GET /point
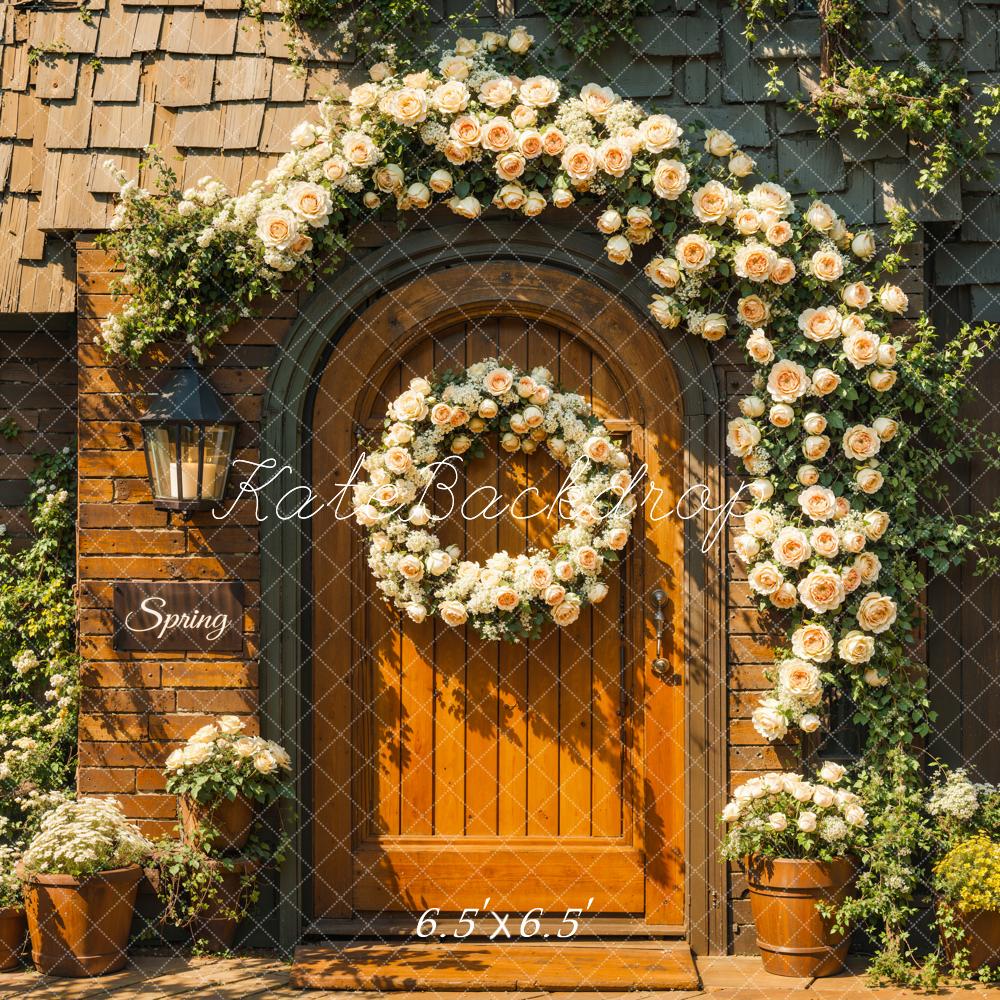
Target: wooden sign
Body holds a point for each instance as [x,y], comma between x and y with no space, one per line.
[197,617]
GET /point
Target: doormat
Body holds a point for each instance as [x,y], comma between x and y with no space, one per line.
[605,965]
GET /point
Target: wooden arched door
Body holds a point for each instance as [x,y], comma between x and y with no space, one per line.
[448,770]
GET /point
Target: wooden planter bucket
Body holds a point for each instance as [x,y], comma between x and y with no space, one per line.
[80,927]
[981,940]
[231,819]
[213,929]
[13,931]
[793,938]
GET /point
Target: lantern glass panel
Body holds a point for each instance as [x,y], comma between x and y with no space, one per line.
[218,448]
[161,449]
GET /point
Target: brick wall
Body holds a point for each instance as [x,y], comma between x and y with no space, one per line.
[37,399]
[136,707]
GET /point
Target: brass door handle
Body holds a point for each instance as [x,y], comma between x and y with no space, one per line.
[660,666]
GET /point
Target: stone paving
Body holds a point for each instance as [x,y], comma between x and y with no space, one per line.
[263,977]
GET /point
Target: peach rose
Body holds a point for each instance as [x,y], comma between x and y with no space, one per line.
[759,347]
[876,524]
[539,91]
[753,310]
[861,443]
[554,594]
[580,161]
[856,295]
[869,480]
[893,299]
[597,449]
[664,272]
[781,415]
[827,265]
[530,144]
[755,261]
[785,596]
[876,612]
[659,133]
[743,437]
[664,310]
[410,567]
[597,100]
[498,135]
[820,324]
[712,203]
[815,447]
[787,381]
[765,578]
[498,382]
[509,167]
[466,130]
[800,679]
[694,252]
[861,349]
[869,566]
[784,271]
[746,221]
[817,503]
[507,599]
[453,613]
[614,157]
[814,423]
[451,97]
[397,460]
[825,381]
[822,590]
[791,547]
[567,611]
[553,141]
[670,179]
[825,541]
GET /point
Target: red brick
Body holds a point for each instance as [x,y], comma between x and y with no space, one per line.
[93,780]
[112,515]
[125,673]
[132,541]
[181,727]
[127,700]
[149,779]
[113,727]
[219,701]
[209,674]
[138,754]
[150,805]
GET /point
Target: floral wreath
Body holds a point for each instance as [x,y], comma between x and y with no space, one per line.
[509,596]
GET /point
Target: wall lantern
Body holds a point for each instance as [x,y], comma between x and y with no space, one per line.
[189,443]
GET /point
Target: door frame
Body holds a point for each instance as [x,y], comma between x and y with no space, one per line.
[285,564]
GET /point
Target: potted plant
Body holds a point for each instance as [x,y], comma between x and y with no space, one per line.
[795,839]
[81,872]
[13,926]
[222,776]
[225,778]
[967,884]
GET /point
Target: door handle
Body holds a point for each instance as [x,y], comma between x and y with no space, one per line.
[660,666]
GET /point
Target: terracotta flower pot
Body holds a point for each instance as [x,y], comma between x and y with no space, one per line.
[231,819]
[794,939]
[981,940]
[80,926]
[213,927]
[13,931]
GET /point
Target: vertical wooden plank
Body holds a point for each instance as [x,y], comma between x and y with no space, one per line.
[449,655]
[663,730]
[417,683]
[333,591]
[482,658]
[608,630]
[515,662]
[575,680]
[384,638]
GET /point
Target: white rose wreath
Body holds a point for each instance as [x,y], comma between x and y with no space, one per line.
[509,596]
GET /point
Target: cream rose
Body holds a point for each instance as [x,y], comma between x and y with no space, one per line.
[822,590]
[743,437]
[827,265]
[664,272]
[791,547]
[800,679]
[769,720]
[755,261]
[597,100]
[741,165]
[498,135]
[861,443]
[453,613]
[876,612]
[450,98]
[567,611]
[670,179]
[765,578]
[759,347]
[408,106]
[539,91]
[781,415]
[825,381]
[820,216]
[856,295]
[812,642]
[659,133]
[277,228]
[818,503]
[815,447]
[787,381]
[719,143]
[694,252]
[580,162]
[825,541]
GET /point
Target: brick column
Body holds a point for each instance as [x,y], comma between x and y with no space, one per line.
[136,707]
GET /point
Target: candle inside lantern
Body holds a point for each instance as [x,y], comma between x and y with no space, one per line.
[189,480]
